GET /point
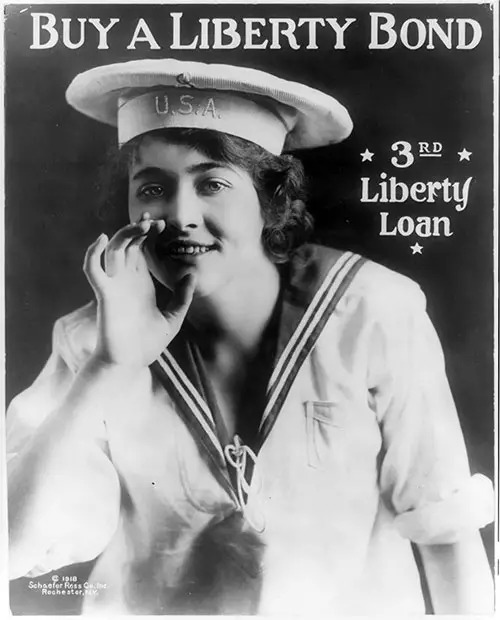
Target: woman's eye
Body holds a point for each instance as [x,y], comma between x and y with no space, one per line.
[213,186]
[151,190]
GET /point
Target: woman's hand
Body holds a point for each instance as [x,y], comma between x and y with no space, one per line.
[132,331]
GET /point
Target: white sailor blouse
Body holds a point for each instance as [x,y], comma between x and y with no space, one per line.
[359,453]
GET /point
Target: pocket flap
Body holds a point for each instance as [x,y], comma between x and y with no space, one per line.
[325,411]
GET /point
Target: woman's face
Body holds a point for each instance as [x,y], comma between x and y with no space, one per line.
[211,210]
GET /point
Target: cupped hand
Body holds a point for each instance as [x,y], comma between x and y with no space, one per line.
[132,331]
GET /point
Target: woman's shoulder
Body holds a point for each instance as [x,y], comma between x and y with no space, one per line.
[75,334]
[383,284]
[368,281]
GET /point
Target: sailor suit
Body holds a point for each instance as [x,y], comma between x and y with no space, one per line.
[359,452]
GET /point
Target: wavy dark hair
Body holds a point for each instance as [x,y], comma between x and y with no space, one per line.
[278,180]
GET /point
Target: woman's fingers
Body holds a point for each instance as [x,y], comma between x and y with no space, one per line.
[150,229]
[92,263]
[115,257]
[134,250]
[135,258]
[123,247]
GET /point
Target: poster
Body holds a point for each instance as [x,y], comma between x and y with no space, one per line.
[413,186]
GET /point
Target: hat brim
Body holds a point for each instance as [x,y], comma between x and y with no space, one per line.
[320,119]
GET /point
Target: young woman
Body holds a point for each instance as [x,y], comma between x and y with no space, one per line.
[270,428]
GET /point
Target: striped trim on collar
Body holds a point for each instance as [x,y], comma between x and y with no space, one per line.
[195,413]
[306,334]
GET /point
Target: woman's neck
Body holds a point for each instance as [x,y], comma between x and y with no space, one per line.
[236,315]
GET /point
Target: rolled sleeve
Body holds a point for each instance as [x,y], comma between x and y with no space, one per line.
[424,473]
[441,522]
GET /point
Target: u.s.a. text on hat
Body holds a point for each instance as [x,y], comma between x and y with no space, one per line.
[224,33]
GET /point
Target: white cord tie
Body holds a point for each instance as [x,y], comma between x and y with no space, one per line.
[236,455]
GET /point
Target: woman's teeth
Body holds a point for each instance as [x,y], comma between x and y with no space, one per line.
[190,250]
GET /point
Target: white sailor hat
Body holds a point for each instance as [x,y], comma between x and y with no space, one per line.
[142,95]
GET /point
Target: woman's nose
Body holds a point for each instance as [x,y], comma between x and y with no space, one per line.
[184,210]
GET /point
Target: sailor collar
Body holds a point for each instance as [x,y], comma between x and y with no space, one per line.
[313,283]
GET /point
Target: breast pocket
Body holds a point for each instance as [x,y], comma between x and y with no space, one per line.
[326,433]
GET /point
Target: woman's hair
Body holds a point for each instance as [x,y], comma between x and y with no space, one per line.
[278,180]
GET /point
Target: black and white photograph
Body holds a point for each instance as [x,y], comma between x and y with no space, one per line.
[250,308]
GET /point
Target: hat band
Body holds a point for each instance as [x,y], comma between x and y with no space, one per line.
[201,109]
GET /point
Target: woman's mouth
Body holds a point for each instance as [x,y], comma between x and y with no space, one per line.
[190,249]
[185,249]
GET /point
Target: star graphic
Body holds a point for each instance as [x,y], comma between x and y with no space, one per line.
[416,248]
[464,154]
[366,156]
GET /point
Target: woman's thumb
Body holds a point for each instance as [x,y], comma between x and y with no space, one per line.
[181,298]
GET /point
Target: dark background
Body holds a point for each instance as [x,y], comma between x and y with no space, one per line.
[53,155]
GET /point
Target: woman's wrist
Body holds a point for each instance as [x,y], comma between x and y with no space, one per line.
[101,365]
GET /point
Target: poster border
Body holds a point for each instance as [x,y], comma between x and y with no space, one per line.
[494,6]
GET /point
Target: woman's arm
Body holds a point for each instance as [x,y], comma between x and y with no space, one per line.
[64,493]
[425,477]
[458,576]
[63,490]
